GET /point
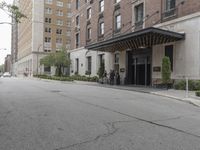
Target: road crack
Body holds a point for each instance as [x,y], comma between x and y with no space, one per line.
[111,129]
[131,116]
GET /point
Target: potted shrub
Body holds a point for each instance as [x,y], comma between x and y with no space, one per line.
[166,71]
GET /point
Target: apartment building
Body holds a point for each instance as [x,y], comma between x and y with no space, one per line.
[14,43]
[46,29]
[132,36]
[7,64]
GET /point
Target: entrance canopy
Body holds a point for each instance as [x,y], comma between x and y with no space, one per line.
[139,39]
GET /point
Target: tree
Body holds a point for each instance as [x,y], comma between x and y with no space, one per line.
[12,11]
[58,59]
[1,68]
[166,70]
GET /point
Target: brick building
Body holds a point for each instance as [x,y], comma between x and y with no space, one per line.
[132,36]
[14,44]
[46,29]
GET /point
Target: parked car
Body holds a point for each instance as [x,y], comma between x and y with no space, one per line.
[6,74]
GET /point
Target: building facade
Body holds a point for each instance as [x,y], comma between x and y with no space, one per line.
[132,36]
[7,64]
[14,44]
[46,29]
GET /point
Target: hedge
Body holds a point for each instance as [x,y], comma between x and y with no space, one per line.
[193,85]
[197,93]
[54,78]
[69,78]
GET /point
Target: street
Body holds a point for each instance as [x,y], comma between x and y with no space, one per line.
[50,115]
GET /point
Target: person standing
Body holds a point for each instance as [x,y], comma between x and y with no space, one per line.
[112,77]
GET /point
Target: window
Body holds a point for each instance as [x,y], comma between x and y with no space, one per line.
[89,64]
[69,14]
[59,13]
[89,13]
[169,53]
[68,33]
[101,28]
[59,22]
[58,31]
[116,65]
[47,40]
[77,20]
[170,4]
[58,40]
[48,20]
[68,24]
[170,8]
[101,59]
[48,10]
[101,5]
[47,50]
[67,46]
[48,30]
[77,4]
[77,66]
[139,15]
[47,69]
[68,5]
[77,40]
[117,1]
[118,22]
[59,3]
[89,33]
[48,1]
[116,58]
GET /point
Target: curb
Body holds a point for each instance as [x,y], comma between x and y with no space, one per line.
[186,100]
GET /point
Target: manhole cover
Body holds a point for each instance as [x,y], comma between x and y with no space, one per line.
[55,91]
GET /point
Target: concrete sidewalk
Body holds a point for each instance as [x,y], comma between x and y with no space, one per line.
[170,93]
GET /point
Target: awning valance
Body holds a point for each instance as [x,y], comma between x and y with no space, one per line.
[134,40]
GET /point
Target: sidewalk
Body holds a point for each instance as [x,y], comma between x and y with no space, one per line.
[171,93]
[179,95]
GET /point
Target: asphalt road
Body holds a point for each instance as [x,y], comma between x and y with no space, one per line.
[41,115]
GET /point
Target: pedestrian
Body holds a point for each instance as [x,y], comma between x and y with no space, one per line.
[112,77]
[105,76]
[117,78]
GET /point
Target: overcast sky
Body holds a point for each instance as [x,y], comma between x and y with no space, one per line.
[5,34]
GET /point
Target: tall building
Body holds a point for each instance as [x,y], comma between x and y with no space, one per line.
[7,64]
[46,29]
[132,37]
[14,44]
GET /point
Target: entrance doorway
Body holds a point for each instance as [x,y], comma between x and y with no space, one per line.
[139,67]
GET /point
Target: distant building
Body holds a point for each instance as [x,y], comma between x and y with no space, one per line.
[14,43]
[132,36]
[46,29]
[7,64]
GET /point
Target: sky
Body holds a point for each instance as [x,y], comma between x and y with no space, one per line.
[5,34]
